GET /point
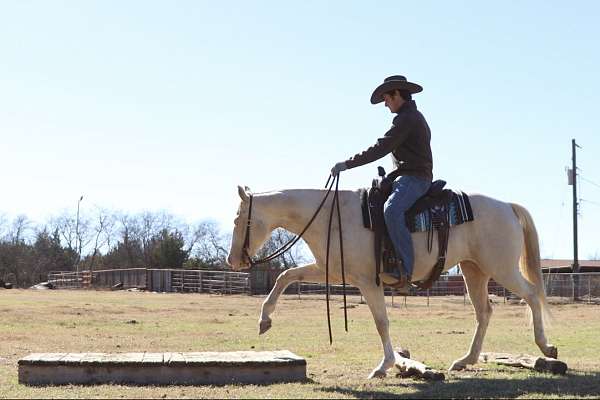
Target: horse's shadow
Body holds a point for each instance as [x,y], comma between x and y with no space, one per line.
[573,384]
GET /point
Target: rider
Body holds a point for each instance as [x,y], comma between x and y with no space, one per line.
[408,140]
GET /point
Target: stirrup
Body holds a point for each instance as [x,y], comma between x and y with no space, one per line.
[394,280]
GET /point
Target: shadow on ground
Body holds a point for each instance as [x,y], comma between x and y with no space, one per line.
[573,384]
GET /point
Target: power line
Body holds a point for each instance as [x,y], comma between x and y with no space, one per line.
[588,181]
[589,201]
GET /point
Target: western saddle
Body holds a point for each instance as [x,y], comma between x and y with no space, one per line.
[436,202]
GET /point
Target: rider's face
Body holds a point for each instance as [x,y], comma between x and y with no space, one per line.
[393,101]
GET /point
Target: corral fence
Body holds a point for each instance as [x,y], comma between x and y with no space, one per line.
[559,286]
[584,286]
[156,280]
[447,285]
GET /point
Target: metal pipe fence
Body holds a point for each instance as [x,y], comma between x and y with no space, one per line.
[564,287]
[203,281]
[559,286]
[65,279]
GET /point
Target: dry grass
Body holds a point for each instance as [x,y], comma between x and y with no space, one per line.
[80,321]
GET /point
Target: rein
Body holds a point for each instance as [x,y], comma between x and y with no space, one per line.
[287,246]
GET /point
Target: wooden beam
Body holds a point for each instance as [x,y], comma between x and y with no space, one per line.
[540,364]
[409,367]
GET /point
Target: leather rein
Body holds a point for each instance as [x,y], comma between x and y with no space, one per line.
[287,246]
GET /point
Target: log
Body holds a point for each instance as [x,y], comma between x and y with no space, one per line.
[540,364]
[409,367]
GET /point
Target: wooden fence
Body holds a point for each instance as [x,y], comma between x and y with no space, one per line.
[156,280]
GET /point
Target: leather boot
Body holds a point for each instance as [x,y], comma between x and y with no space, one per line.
[396,279]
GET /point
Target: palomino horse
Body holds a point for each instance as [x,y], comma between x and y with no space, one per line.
[501,237]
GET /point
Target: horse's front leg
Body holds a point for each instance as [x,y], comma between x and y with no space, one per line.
[375,298]
[310,273]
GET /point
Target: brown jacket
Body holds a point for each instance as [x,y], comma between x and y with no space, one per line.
[409,142]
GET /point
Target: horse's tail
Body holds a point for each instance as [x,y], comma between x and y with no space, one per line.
[530,263]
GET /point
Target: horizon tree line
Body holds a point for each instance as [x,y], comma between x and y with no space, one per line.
[110,239]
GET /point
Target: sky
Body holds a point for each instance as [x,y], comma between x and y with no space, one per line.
[169,105]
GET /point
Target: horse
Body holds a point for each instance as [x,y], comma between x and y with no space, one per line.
[501,243]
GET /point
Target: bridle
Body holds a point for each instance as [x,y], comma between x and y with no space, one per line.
[291,242]
[246,245]
[280,251]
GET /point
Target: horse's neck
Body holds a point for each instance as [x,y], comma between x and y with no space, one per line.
[293,209]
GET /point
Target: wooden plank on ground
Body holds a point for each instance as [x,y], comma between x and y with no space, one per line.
[540,364]
[409,367]
[162,368]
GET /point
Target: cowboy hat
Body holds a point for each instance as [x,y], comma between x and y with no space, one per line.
[393,82]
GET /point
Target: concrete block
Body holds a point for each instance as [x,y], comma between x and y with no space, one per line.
[197,368]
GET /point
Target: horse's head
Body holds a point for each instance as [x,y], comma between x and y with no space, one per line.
[258,233]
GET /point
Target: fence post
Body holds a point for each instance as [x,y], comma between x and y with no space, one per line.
[589,289]
[427,297]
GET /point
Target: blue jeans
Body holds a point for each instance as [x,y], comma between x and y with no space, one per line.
[405,192]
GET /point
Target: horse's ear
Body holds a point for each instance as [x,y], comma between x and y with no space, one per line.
[242,193]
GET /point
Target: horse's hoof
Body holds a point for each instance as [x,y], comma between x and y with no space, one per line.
[264,326]
[551,352]
[457,366]
[377,374]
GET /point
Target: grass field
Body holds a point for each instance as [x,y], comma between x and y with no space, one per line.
[86,321]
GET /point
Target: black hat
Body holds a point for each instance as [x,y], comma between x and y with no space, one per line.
[394,82]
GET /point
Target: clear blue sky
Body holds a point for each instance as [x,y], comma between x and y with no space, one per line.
[145,105]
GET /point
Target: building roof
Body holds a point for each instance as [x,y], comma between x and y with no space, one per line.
[550,263]
[566,266]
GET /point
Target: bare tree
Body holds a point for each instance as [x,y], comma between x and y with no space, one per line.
[20,229]
[102,231]
[209,244]
[130,236]
[3,226]
[65,224]
[296,255]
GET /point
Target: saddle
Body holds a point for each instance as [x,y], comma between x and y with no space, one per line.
[432,211]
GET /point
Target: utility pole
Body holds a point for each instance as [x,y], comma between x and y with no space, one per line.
[575,269]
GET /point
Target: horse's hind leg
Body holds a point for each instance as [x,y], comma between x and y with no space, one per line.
[477,286]
[537,313]
[516,283]
[310,273]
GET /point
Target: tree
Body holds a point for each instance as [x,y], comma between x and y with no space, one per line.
[49,255]
[167,250]
[20,229]
[102,230]
[209,246]
[292,258]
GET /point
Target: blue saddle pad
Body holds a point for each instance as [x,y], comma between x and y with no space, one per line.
[460,211]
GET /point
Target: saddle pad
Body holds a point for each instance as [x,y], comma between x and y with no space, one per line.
[460,211]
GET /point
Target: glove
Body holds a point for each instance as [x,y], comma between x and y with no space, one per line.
[337,168]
